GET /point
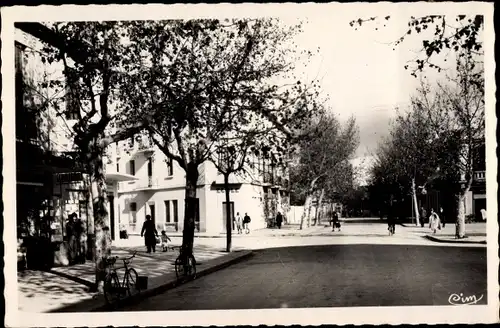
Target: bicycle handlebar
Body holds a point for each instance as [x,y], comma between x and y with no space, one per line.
[126,258]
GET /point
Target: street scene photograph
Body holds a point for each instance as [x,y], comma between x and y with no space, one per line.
[316,157]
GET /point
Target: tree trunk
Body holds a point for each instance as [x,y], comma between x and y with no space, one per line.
[319,207]
[415,201]
[460,224]
[97,242]
[309,213]
[229,217]
[307,205]
[190,208]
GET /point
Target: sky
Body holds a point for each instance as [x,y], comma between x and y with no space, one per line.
[361,73]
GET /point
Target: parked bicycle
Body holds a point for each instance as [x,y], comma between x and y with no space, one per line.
[185,265]
[113,289]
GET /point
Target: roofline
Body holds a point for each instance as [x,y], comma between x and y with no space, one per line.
[76,50]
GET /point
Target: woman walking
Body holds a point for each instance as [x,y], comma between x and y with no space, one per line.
[150,233]
[434,222]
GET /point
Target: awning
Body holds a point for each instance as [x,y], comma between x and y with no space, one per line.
[116,176]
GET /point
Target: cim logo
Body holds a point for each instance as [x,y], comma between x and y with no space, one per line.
[460,299]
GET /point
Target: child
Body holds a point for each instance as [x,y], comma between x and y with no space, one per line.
[164,241]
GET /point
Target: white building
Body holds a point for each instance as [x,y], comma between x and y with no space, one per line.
[160,192]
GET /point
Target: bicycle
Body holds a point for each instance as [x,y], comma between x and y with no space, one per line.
[185,265]
[113,289]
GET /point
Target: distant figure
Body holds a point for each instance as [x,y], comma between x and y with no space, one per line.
[483,214]
[72,239]
[150,233]
[279,220]
[239,223]
[164,241]
[391,218]
[335,221]
[80,239]
[442,216]
[246,222]
[434,222]
[423,216]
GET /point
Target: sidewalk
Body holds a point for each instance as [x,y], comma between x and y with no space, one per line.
[66,289]
[475,233]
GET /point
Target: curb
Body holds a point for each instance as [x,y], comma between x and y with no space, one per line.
[71,277]
[455,241]
[170,282]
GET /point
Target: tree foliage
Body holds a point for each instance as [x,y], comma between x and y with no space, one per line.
[441,34]
[216,88]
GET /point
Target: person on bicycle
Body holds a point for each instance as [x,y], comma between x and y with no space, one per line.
[150,233]
[391,219]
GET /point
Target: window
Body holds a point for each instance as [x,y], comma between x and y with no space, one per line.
[170,167]
[167,211]
[150,167]
[132,167]
[133,213]
[118,164]
[175,208]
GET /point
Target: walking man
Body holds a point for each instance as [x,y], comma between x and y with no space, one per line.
[246,222]
[239,223]
[279,220]
[423,217]
[442,217]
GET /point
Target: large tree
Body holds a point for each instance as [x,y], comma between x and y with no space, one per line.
[204,81]
[323,158]
[92,55]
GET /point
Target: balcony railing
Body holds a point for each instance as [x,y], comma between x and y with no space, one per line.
[479,175]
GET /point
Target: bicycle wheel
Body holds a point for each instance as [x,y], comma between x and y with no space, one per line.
[112,292]
[131,281]
[191,267]
[179,268]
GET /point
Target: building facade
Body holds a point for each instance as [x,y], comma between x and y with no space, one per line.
[159,191]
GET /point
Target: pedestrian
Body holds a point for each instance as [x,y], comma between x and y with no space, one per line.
[442,216]
[279,220]
[434,222]
[239,223]
[80,239]
[335,221]
[164,241]
[72,239]
[246,222]
[391,219]
[423,217]
[150,233]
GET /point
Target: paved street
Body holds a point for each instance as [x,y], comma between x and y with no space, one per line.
[334,276]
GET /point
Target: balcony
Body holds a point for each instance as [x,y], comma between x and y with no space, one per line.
[480,176]
[150,183]
[144,147]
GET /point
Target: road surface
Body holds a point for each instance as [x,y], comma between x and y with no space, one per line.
[334,276]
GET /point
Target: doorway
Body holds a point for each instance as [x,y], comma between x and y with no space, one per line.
[224,217]
[152,212]
[111,202]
